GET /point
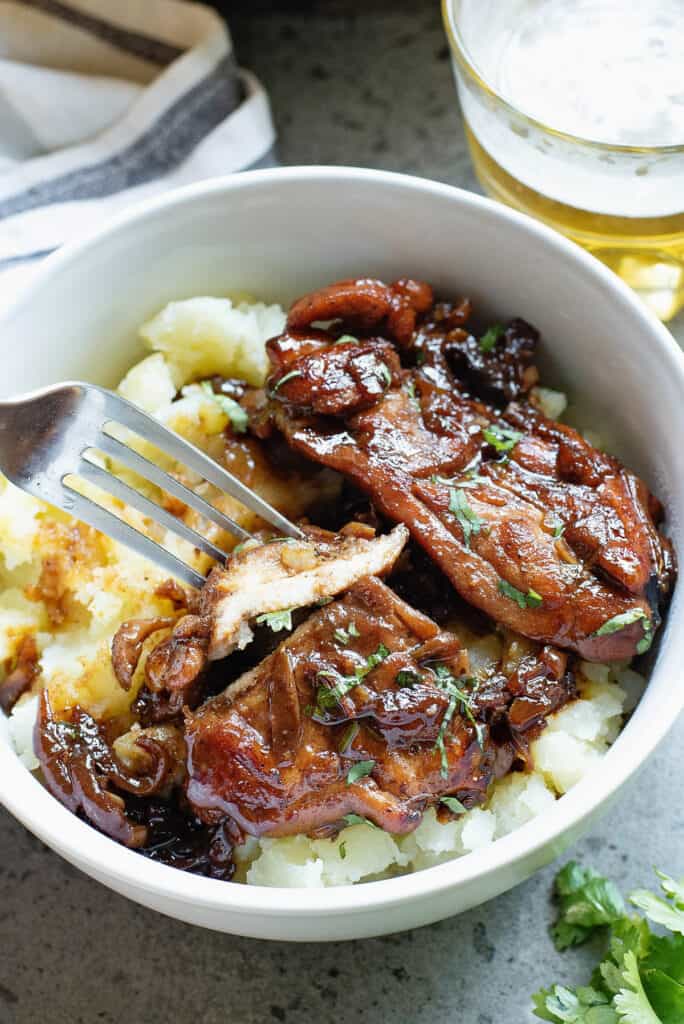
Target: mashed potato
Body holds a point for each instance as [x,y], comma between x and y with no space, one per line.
[71,588]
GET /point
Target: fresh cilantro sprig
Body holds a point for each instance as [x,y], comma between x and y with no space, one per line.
[641,978]
[586,900]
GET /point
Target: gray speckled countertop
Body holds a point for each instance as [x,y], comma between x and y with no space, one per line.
[352,83]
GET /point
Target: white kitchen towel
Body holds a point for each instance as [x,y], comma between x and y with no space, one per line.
[106,102]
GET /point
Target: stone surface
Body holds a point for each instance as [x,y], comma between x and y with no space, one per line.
[352,83]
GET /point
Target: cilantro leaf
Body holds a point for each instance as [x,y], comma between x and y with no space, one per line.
[529,600]
[276,620]
[330,696]
[586,901]
[631,1002]
[359,771]
[454,805]
[233,410]
[502,439]
[468,520]
[343,636]
[288,376]
[665,995]
[619,622]
[385,374]
[457,697]
[410,389]
[408,677]
[490,337]
[583,1005]
[669,913]
[558,530]
[348,737]
[356,819]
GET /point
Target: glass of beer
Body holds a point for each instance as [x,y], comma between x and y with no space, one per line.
[574,113]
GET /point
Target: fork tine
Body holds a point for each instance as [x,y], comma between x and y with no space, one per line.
[186,453]
[105,521]
[108,482]
[139,464]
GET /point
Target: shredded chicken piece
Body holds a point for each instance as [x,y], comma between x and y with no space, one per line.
[289,574]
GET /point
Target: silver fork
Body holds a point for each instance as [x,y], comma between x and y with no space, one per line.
[54,433]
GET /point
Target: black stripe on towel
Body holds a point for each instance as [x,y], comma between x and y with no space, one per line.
[136,43]
[25,257]
[163,146]
[269,159]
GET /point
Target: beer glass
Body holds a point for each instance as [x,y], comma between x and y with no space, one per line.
[574,114]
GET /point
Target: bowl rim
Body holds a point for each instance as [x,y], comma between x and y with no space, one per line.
[126,870]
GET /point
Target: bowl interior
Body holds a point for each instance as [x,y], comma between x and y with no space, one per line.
[276,234]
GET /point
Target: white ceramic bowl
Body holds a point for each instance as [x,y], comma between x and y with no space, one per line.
[276,234]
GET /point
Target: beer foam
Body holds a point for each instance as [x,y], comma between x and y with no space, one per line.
[602,70]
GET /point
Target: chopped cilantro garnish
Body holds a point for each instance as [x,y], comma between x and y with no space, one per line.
[356,819]
[376,657]
[558,530]
[457,697]
[410,388]
[468,520]
[343,635]
[348,737]
[343,850]
[283,380]
[625,619]
[330,696]
[345,338]
[233,410]
[407,677]
[503,439]
[529,600]
[454,805]
[385,374]
[444,725]
[276,620]
[359,771]
[490,337]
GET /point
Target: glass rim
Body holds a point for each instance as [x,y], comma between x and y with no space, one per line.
[468,66]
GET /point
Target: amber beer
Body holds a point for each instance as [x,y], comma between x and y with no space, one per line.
[574,113]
